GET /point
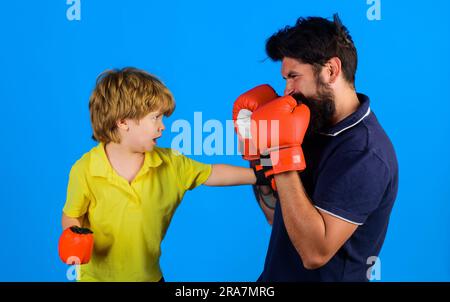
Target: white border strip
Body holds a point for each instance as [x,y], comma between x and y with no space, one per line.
[337,133]
[337,216]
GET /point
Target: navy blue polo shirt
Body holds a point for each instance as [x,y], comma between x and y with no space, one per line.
[351,173]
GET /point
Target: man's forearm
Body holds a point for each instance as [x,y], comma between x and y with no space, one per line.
[304,224]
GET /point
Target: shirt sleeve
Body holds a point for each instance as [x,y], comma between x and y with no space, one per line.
[77,200]
[351,186]
[191,173]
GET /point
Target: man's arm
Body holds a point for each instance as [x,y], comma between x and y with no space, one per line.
[227,175]
[316,235]
[268,212]
[263,195]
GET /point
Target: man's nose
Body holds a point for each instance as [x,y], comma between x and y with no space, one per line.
[288,89]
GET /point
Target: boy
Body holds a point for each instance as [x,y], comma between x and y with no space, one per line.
[126,189]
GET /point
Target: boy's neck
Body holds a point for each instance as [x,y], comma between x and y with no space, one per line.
[124,161]
[122,153]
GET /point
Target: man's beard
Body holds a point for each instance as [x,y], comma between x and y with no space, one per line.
[321,106]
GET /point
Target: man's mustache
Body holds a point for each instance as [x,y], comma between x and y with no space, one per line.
[322,110]
[301,98]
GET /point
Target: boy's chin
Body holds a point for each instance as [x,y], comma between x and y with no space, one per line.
[150,146]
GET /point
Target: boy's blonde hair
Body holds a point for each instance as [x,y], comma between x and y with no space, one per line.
[127,93]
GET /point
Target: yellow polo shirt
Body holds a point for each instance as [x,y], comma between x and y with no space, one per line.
[129,221]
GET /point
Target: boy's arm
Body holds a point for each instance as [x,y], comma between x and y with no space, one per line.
[70,221]
[226,175]
[75,243]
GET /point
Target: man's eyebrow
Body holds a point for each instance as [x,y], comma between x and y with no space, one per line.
[290,74]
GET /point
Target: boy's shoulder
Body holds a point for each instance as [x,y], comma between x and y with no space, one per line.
[87,159]
[166,152]
[95,161]
[167,155]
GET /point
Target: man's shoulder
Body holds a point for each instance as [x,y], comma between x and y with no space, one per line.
[367,140]
[378,141]
[366,135]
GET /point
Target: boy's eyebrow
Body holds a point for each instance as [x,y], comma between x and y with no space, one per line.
[159,112]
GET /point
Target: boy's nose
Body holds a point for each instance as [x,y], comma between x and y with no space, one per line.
[162,127]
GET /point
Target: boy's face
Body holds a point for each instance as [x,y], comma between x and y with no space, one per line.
[141,135]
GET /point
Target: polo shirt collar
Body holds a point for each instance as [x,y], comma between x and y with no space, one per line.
[353,119]
[100,165]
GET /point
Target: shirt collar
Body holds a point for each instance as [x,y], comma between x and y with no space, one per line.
[353,119]
[100,165]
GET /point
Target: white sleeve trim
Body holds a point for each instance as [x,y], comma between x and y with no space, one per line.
[337,216]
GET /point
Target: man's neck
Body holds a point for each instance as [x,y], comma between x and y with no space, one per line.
[346,103]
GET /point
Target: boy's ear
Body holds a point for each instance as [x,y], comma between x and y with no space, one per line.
[122,124]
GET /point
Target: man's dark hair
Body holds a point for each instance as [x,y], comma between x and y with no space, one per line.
[314,41]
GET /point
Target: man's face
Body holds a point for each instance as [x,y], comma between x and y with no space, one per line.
[318,96]
[142,134]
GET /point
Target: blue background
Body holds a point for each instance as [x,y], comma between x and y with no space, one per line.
[207,53]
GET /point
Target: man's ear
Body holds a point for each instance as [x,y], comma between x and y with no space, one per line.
[333,69]
[122,124]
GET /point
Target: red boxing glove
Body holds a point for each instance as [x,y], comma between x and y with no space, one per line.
[278,129]
[243,108]
[75,245]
